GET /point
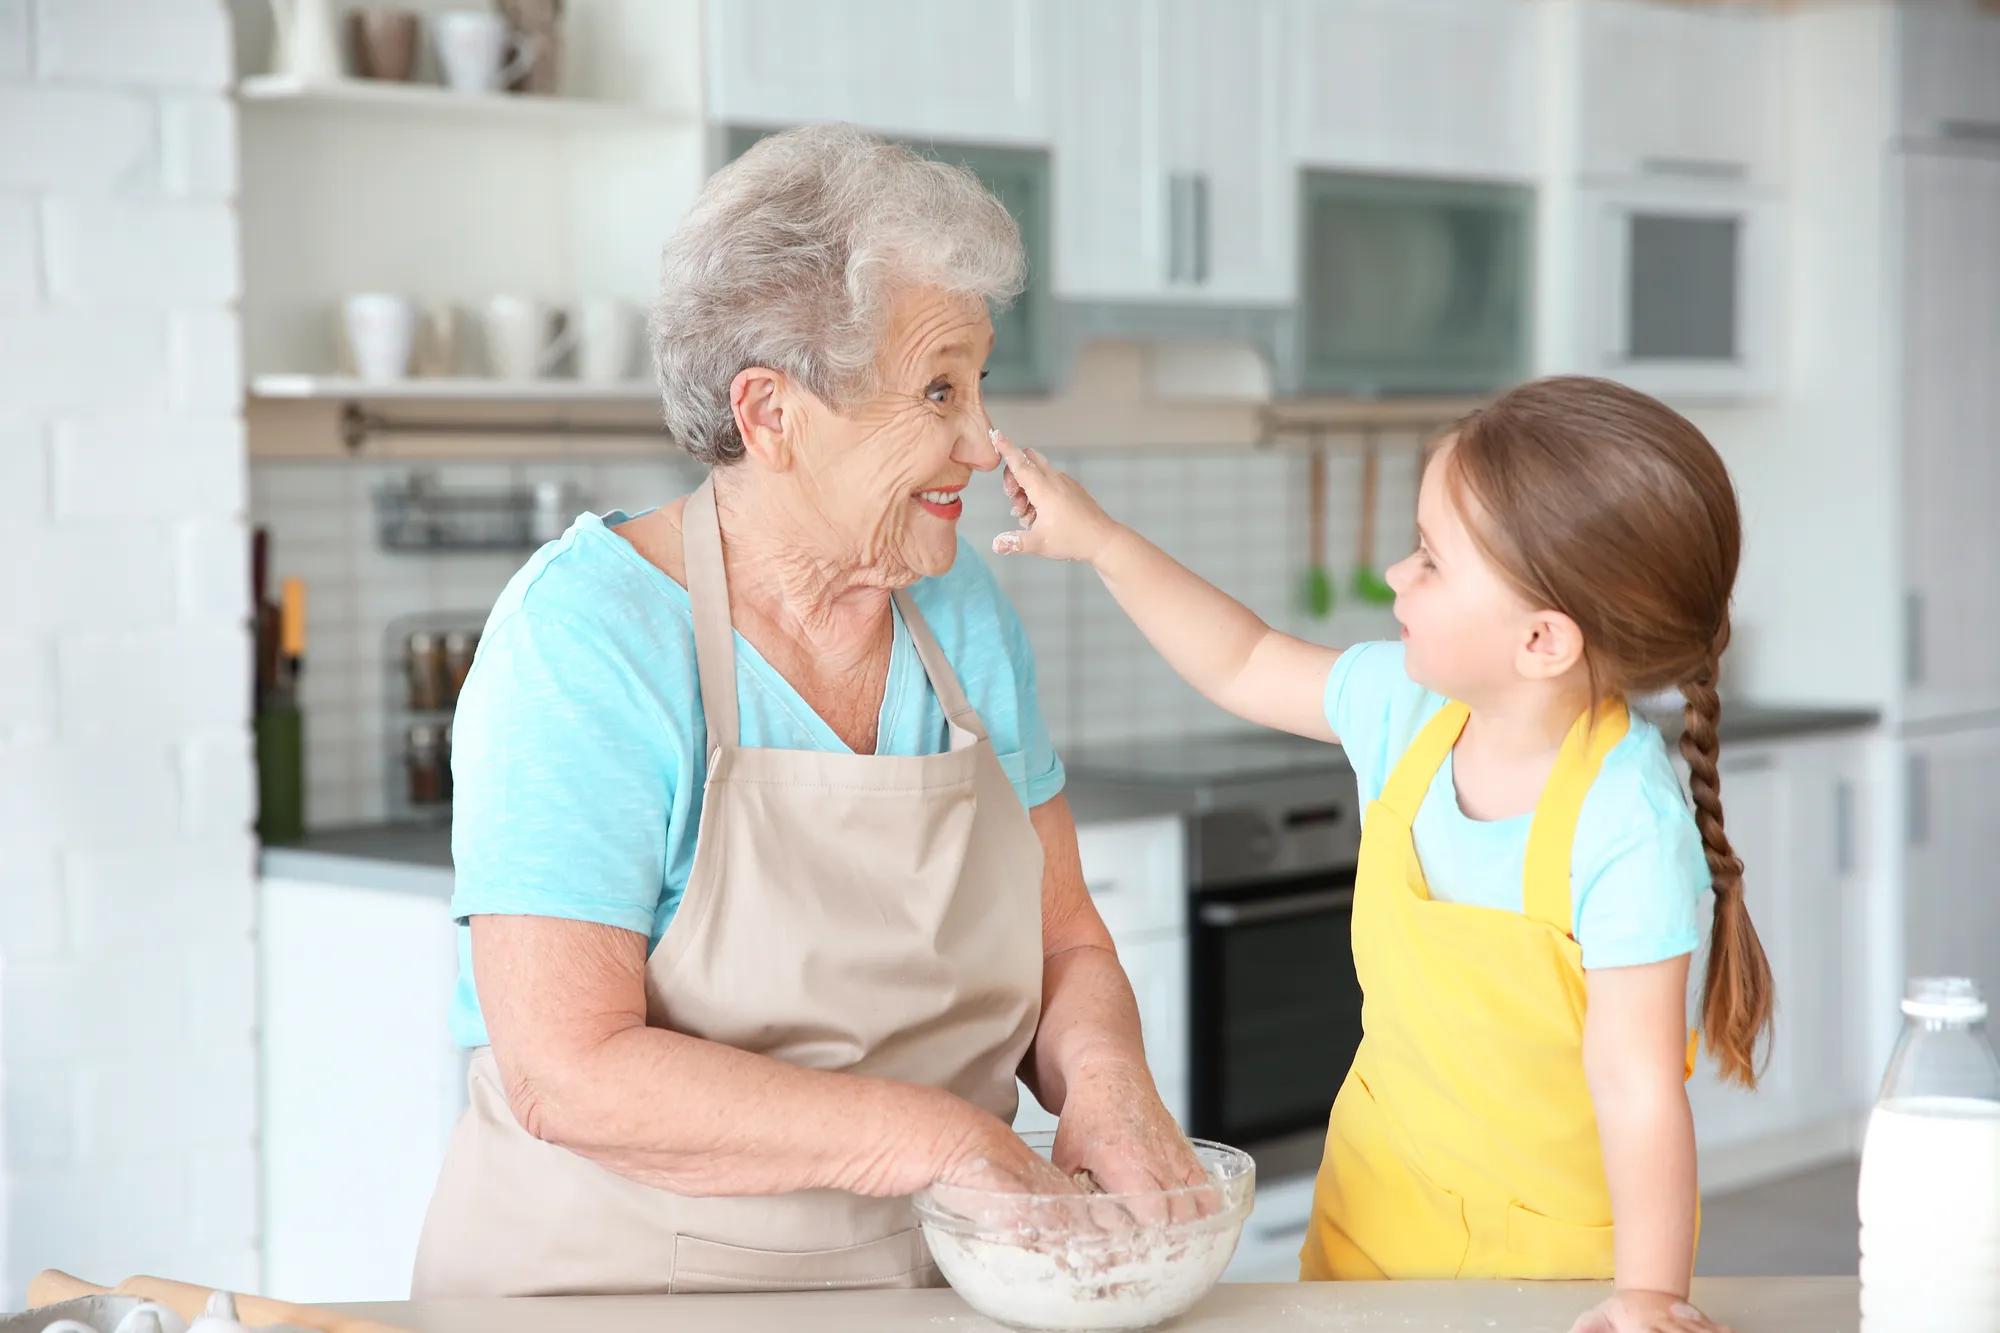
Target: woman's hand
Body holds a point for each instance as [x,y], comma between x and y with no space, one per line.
[1059,519]
[1114,1126]
[1646,1312]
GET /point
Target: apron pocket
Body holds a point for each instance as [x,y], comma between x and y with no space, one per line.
[1541,1248]
[900,1259]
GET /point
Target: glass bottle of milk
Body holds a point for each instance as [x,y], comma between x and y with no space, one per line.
[1930,1172]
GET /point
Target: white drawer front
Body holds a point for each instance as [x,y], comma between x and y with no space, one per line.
[1137,875]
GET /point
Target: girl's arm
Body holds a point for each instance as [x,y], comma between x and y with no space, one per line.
[1635,1057]
[1217,644]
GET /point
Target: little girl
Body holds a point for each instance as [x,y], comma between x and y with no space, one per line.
[1525,904]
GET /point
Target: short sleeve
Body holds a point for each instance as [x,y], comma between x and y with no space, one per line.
[1640,902]
[561,780]
[1374,707]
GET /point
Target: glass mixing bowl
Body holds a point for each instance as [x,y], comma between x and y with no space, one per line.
[1076,1262]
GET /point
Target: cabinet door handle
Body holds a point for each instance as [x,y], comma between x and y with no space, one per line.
[1979,131]
[1705,168]
[1755,763]
[1198,215]
[1913,637]
[1843,827]
[1099,888]
[1173,227]
[1918,813]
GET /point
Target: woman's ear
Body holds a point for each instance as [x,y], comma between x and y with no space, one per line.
[1554,645]
[757,396]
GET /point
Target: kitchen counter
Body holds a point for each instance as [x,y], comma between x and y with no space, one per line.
[1750,1305]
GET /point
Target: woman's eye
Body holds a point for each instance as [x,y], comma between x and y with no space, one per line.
[939,392]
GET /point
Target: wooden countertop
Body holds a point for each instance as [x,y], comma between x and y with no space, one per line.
[1751,1305]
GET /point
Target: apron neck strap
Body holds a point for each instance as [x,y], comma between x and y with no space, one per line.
[944,681]
[1545,891]
[1411,778]
[715,637]
[708,593]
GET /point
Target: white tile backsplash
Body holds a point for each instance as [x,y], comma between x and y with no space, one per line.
[1236,516]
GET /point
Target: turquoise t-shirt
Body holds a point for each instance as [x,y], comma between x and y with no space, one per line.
[576,748]
[1637,872]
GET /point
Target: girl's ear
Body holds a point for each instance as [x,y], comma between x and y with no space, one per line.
[1554,645]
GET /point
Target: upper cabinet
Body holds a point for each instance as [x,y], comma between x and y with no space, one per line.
[1677,90]
[953,71]
[1172,183]
[1950,66]
[1432,87]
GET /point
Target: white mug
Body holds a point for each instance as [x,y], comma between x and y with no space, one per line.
[472,51]
[381,332]
[607,341]
[523,341]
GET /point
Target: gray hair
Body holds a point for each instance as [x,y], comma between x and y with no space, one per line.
[790,258]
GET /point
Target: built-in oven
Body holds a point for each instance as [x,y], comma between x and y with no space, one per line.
[1275,1009]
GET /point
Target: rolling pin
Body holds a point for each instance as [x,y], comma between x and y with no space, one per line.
[188,1301]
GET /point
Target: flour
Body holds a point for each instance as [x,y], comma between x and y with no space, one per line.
[1088,1282]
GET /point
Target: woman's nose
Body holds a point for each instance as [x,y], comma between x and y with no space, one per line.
[974,446]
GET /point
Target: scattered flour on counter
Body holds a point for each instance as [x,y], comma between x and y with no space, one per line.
[1141,1282]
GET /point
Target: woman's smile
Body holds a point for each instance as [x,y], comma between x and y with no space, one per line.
[945,502]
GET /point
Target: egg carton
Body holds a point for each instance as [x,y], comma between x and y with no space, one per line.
[103,1314]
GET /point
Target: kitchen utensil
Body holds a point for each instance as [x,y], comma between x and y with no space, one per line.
[1090,1261]
[384,42]
[472,50]
[607,341]
[381,331]
[1368,584]
[525,338]
[1316,592]
[188,1301]
[306,47]
[292,630]
[539,22]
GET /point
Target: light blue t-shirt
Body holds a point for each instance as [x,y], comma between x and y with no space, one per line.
[1637,871]
[576,747]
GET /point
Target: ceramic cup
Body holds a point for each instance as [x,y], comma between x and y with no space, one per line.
[381,332]
[472,51]
[525,338]
[384,42]
[607,341]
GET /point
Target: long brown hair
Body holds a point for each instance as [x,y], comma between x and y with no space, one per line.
[1610,507]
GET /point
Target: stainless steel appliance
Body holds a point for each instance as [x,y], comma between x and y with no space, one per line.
[1273,835]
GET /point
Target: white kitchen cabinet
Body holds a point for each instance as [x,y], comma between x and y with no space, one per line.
[959,70]
[1796,814]
[1949,63]
[1136,871]
[1679,287]
[1951,912]
[1172,183]
[1678,91]
[1951,432]
[361,1082]
[1431,87]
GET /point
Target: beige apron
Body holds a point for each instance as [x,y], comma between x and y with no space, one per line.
[870,914]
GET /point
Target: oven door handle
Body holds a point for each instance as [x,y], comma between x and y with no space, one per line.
[1276,909]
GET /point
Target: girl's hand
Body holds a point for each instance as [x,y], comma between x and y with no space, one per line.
[1059,519]
[1634,1311]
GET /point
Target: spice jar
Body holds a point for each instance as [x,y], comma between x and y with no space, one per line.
[459,647]
[424,659]
[424,758]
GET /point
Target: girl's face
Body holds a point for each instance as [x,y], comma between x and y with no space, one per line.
[1463,623]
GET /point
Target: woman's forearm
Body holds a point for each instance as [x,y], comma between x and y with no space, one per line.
[699,1118]
[1089,1018]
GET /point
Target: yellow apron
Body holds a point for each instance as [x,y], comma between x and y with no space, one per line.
[1463,1143]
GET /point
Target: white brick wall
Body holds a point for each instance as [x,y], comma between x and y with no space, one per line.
[128,1088]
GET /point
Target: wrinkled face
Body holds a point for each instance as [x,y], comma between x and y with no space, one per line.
[885,473]
[1463,622]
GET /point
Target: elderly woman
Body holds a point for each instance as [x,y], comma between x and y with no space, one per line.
[767,886]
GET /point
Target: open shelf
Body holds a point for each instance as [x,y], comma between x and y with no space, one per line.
[449,389]
[429,100]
